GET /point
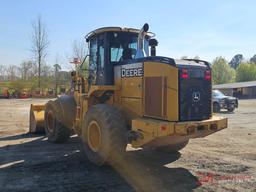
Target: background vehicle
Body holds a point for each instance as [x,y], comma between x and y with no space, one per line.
[24,94]
[131,96]
[4,93]
[221,101]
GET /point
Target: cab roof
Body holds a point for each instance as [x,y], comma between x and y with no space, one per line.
[114,29]
[192,62]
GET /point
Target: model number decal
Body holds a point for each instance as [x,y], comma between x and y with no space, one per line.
[132,72]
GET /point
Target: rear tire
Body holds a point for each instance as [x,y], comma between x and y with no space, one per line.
[231,109]
[216,107]
[55,130]
[173,148]
[103,134]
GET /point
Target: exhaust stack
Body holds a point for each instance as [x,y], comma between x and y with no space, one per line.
[140,47]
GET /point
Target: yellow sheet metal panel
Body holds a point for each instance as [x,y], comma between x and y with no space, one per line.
[129,87]
[153,126]
[117,92]
[192,127]
[172,105]
[155,69]
[132,87]
[144,125]
[151,129]
[146,130]
[133,104]
[101,88]
[165,129]
[181,129]
[222,122]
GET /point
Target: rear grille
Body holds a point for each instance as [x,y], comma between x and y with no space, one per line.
[156,97]
[194,99]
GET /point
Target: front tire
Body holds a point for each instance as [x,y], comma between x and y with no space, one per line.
[216,107]
[231,109]
[54,128]
[103,134]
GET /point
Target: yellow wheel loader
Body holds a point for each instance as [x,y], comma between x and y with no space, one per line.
[131,96]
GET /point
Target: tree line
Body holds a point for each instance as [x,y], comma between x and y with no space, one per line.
[24,71]
[25,76]
[35,73]
[237,70]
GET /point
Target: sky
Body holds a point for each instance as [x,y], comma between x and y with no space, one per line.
[183,27]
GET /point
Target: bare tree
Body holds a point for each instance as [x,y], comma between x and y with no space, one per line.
[79,50]
[2,72]
[26,69]
[34,69]
[57,68]
[40,44]
[12,72]
[46,71]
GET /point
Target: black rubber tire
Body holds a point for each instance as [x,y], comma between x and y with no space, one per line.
[113,134]
[231,109]
[173,148]
[216,107]
[59,133]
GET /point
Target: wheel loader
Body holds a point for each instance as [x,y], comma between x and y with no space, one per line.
[130,95]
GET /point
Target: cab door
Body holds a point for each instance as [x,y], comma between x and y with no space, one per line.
[101,75]
[97,60]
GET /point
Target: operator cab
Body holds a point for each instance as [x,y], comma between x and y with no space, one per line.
[112,46]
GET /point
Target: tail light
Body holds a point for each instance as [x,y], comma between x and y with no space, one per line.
[184,74]
[207,75]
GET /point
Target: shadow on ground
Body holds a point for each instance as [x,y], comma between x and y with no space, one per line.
[15,137]
[226,112]
[41,166]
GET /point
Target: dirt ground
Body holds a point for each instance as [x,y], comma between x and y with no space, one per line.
[224,161]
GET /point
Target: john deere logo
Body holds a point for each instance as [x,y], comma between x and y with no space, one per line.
[196,96]
[137,72]
[132,70]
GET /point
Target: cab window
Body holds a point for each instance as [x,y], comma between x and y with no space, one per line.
[122,46]
[93,54]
